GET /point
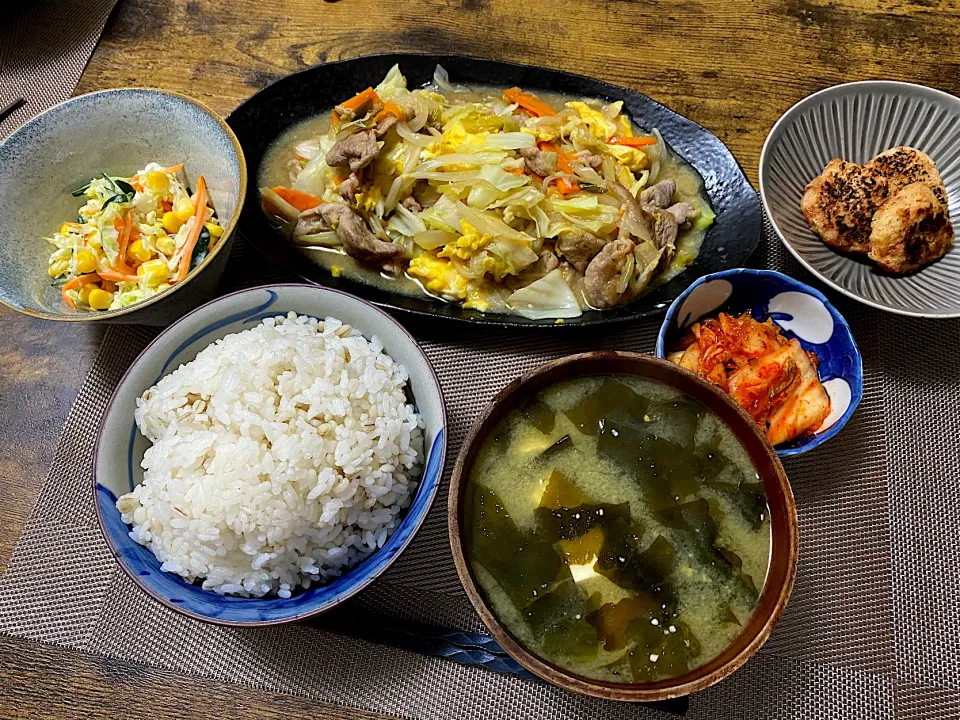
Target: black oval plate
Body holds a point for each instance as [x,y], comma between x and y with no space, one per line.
[259,120]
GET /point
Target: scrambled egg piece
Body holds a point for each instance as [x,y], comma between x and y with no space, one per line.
[541,133]
[624,126]
[596,123]
[633,158]
[439,276]
[471,244]
[454,135]
[367,201]
[476,299]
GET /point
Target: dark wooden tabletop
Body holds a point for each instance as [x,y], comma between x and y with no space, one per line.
[732,65]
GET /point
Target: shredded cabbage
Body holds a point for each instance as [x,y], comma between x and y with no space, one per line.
[391,85]
[511,140]
[548,297]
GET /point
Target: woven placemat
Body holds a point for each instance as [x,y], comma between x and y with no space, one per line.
[871,631]
[44,47]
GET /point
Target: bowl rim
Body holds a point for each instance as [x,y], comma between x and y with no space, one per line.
[545,669]
[856,391]
[347,593]
[777,129]
[228,230]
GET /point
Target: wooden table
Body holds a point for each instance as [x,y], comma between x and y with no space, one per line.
[731,65]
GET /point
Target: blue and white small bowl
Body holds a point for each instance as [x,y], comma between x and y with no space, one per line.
[802,313]
[120,448]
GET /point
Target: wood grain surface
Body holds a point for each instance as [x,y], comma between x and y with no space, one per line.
[732,65]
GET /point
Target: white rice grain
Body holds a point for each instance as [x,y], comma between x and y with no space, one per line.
[282,456]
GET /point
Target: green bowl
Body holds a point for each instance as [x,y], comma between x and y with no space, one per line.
[116,132]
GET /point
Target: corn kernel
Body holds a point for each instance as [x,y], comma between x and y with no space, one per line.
[171,222]
[166,244]
[154,271]
[65,229]
[214,230]
[58,268]
[99,299]
[86,261]
[335,270]
[94,240]
[184,209]
[157,182]
[138,252]
[85,292]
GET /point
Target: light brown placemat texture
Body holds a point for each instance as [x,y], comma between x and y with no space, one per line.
[44,47]
[870,632]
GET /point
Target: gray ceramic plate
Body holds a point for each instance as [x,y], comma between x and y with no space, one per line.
[856,121]
[117,132]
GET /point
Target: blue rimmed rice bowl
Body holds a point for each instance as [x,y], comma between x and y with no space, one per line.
[121,448]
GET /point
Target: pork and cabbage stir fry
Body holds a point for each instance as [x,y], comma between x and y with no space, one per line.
[496,199]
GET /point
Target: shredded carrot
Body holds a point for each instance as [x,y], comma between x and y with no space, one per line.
[200,201]
[300,200]
[635,141]
[173,169]
[124,238]
[136,185]
[516,171]
[108,286]
[114,276]
[531,103]
[391,108]
[125,229]
[166,205]
[74,284]
[563,163]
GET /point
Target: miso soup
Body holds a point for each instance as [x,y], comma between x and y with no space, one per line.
[617,528]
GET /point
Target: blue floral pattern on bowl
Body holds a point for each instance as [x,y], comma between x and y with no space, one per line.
[802,312]
[120,448]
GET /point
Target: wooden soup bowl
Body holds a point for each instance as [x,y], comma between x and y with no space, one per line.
[783,519]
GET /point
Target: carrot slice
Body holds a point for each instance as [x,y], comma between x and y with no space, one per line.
[358,101]
[367,96]
[563,163]
[391,108]
[79,281]
[634,141]
[531,103]
[200,200]
[300,200]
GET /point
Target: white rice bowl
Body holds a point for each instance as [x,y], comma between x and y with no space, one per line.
[282,456]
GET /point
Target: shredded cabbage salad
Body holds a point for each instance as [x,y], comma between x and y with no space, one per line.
[134,238]
[496,200]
